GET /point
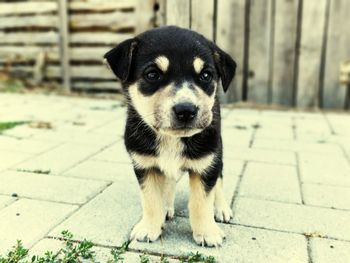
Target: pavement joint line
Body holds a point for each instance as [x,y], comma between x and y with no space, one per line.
[235,193]
[73,212]
[33,156]
[330,185]
[105,123]
[297,160]
[309,249]
[56,225]
[329,124]
[108,161]
[41,199]
[262,162]
[294,203]
[347,157]
[86,158]
[294,129]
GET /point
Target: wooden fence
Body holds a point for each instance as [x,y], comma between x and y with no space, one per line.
[66,40]
[288,51]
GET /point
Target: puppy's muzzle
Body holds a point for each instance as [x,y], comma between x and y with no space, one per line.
[185,112]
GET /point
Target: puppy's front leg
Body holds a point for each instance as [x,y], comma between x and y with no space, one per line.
[201,210]
[150,226]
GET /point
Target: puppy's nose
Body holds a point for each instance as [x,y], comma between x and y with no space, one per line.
[185,111]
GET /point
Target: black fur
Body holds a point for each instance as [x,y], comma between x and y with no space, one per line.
[130,59]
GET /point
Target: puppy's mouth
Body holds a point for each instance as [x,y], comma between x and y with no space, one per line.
[180,132]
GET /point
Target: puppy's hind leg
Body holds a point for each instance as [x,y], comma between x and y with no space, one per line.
[150,226]
[223,212]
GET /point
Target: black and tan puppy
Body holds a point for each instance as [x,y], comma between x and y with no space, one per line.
[171,78]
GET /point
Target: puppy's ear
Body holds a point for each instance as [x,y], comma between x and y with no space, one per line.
[226,66]
[119,58]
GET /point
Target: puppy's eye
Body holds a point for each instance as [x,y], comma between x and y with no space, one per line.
[152,75]
[206,76]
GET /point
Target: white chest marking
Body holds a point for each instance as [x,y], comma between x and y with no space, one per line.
[170,159]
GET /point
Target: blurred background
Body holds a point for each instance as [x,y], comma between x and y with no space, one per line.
[289,52]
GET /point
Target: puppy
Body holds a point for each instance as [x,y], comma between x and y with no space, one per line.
[170,77]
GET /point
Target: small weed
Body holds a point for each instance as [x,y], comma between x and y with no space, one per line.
[117,253]
[197,257]
[9,125]
[144,258]
[78,252]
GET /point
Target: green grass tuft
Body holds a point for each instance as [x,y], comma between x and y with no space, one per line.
[9,125]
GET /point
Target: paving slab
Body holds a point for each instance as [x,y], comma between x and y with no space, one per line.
[259,155]
[29,221]
[49,187]
[108,218]
[102,170]
[292,218]
[60,158]
[297,146]
[6,200]
[115,153]
[242,244]
[271,182]
[330,168]
[25,145]
[9,159]
[327,196]
[327,250]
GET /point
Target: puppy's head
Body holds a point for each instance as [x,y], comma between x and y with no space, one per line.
[171,77]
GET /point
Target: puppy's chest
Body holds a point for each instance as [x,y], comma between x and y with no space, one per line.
[170,158]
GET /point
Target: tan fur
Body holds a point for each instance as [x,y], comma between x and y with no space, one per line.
[152,201]
[201,211]
[198,64]
[162,63]
[223,212]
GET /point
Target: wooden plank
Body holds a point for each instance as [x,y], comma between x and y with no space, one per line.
[64,45]
[230,37]
[98,38]
[338,51]
[178,13]
[144,15]
[20,8]
[29,53]
[86,72]
[202,17]
[259,51]
[40,21]
[50,37]
[88,53]
[114,21]
[101,5]
[286,18]
[97,85]
[312,29]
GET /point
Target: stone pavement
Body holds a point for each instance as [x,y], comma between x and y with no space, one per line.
[287,176]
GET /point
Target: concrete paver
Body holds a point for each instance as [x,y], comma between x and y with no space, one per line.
[326,250]
[29,221]
[293,218]
[5,201]
[271,182]
[49,187]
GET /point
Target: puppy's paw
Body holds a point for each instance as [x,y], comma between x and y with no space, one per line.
[170,212]
[211,236]
[223,214]
[145,232]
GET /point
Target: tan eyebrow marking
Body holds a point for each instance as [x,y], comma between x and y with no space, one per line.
[198,64]
[162,63]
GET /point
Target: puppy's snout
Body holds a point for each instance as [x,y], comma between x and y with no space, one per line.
[185,112]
